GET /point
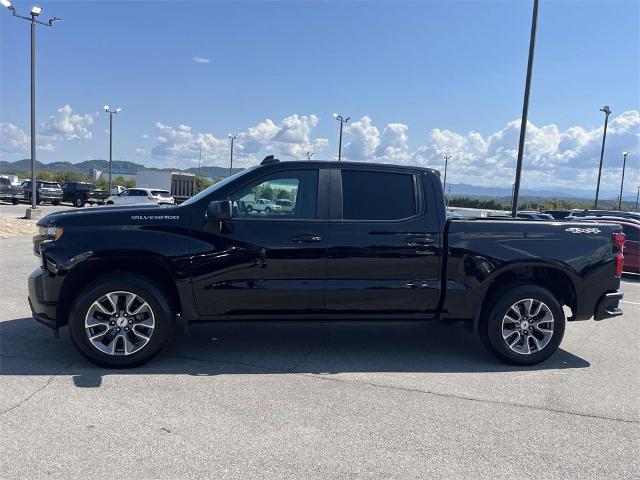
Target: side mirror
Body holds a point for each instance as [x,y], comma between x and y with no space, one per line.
[219,210]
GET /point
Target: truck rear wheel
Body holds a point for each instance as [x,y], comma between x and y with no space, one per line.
[78,202]
[523,324]
[121,321]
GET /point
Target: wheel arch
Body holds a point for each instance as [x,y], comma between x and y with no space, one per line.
[81,275]
[554,279]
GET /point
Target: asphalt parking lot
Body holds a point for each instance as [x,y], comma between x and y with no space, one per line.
[316,401]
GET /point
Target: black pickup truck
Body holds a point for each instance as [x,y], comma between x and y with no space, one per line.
[360,242]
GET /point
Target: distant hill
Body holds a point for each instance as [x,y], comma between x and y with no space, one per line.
[22,166]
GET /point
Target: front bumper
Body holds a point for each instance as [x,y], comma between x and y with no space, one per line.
[607,306]
[42,311]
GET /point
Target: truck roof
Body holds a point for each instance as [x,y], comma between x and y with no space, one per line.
[333,163]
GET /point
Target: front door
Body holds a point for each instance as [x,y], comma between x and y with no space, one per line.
[264,261]
[383,255]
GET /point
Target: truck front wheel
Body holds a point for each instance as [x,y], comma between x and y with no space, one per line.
[121,321]
[522,324]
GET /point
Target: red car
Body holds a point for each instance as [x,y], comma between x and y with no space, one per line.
[631,244]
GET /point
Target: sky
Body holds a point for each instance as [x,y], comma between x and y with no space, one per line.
[418,80]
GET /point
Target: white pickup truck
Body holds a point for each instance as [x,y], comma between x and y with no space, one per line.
[262,205]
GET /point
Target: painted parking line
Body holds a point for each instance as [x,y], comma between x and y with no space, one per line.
[631,303]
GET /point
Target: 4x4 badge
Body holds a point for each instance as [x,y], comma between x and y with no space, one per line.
[582,230]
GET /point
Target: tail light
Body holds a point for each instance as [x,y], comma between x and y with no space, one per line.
[618,241]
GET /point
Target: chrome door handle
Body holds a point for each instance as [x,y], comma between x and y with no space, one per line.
[418,240]
[306,238]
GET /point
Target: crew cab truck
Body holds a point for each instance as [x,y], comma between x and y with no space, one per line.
[361,242]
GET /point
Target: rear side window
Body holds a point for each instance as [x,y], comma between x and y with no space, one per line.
[377,195]
[160,193]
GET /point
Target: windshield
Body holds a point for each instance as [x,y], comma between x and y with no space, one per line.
[218,185]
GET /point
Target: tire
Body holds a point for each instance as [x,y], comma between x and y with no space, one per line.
[15,201]
[497,323]
[55,202]
[78,202]
[249,209]
[267,210]
[109,203]
[159,313]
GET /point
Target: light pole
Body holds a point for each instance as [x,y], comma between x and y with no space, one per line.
[111,114]
[232,137]
[446,162]
[606,111]
[35,11]
[525,110]
[342,122]
[309,155]
[637,198]
[624,164]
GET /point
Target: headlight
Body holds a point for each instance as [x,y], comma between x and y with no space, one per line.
[50,232]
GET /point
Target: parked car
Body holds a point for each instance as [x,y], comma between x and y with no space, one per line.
[81,193]
[631,229]
[366,241]
[133,196]
[262,205]
[605,213]
[534,215]
[285,204]
[45,191]
[10,192]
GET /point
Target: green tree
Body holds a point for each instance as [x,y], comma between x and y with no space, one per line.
[70,176]
[45,176]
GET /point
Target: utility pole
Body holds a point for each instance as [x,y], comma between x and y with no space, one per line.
[446,162]
[111,114]
[309,155]
[35,12]
[342,122]
[624,164]
[525,109]
[232,137]
[607,112]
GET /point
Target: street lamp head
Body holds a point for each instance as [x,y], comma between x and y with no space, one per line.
[118,110]
[106,108]
[7,3]
[606,109]
[36,10]
[54,20]
[348,118]
[626,153]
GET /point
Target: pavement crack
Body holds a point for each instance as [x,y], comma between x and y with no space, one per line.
[38,390]
[473,399]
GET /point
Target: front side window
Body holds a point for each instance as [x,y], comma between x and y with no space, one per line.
[260,199]
[377,195]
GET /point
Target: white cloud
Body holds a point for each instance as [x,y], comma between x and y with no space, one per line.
[552,157]
[364,140]
[13,139]
[201,60]
[292,137]
[66,125]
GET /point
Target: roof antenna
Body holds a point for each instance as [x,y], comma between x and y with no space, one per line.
[269,159]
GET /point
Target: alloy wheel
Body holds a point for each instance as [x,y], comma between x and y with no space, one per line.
[527,327]
[119,323]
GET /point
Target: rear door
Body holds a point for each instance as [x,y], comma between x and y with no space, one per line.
[383,255]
